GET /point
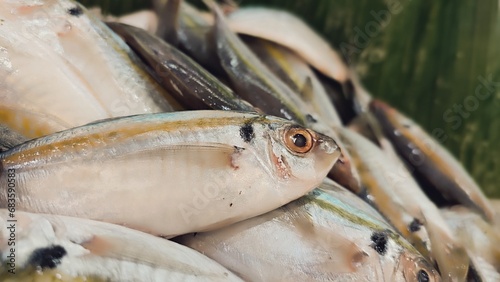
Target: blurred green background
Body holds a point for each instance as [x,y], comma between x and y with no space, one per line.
[436,61]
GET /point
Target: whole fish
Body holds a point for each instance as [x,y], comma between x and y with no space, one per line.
[291,32]
[84,250]
[431,160]
[168,174]
[396,194]
[327,235]
[60,67]
[191,85]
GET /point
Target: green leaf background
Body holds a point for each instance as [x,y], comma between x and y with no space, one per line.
[436,61]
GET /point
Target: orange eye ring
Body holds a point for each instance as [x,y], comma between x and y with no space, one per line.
[298,140]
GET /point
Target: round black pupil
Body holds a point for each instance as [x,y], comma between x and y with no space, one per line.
[299,140]
[423,276]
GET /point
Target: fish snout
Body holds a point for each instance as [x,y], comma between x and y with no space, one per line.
[326,150]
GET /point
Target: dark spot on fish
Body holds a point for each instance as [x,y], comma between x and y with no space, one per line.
[415,225]
[75,11]
[238,149]
[310,118]
[231,204]
[48,257]
[315,193]
[246,132]
[195,233]
[422,276]
[379,240]
[239,193]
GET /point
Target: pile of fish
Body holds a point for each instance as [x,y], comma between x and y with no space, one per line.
[222,145]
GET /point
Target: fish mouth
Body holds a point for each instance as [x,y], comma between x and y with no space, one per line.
[327,146]
[326,154]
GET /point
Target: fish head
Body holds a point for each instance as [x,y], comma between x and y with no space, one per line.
[300,155]
[413,267]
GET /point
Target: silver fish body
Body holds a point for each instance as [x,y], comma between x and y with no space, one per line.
[75,249]
[61,67]
[323,236]
[169,174]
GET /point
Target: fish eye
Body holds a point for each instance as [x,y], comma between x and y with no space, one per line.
[298,140]
[422,276]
